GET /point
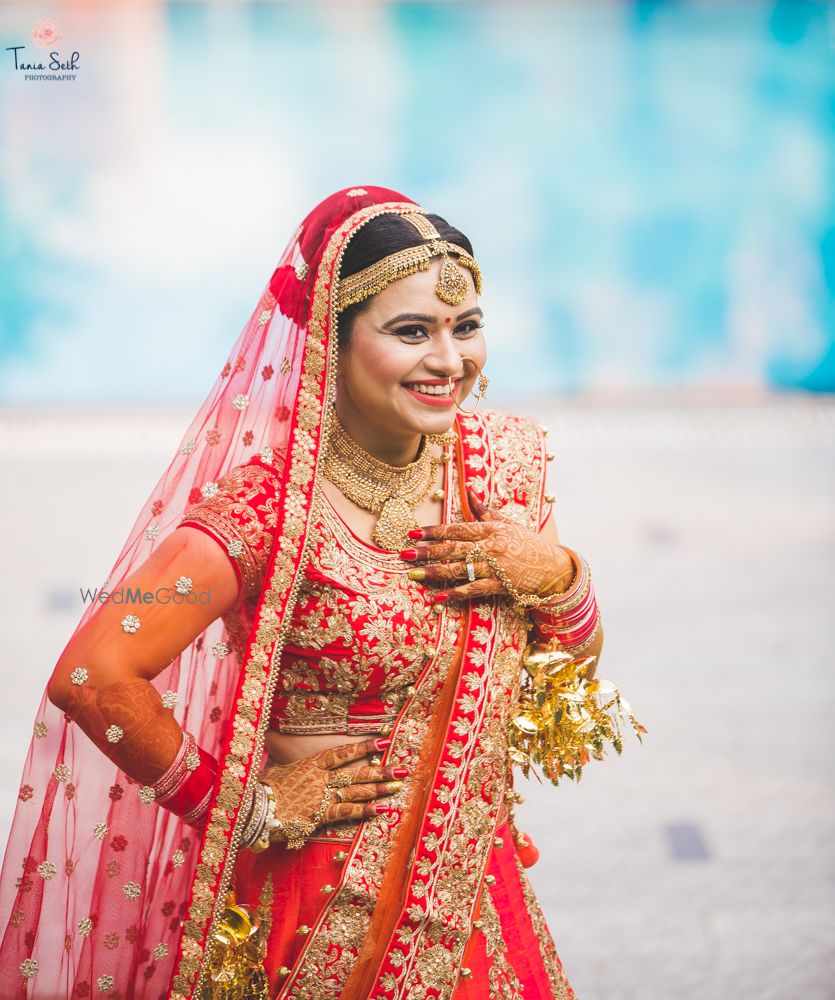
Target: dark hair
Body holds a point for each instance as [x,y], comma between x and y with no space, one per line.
[383,235]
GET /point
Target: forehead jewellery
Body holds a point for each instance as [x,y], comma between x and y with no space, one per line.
[451,287]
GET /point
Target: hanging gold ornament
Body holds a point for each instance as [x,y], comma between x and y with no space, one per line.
[563,720]
[236,960]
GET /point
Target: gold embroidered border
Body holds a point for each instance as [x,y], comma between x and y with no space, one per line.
[331,949]
[561,990]
[502,981]
[460,835]
[248,721]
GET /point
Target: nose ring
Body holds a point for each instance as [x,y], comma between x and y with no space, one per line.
[483,382]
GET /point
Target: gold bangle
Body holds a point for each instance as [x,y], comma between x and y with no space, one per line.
[567,600]
[262,841]
[523,600]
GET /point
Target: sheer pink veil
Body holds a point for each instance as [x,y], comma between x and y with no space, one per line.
[96,885]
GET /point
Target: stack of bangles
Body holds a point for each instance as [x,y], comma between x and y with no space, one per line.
[572,617]
[186,790]
[261,822]
[186,787]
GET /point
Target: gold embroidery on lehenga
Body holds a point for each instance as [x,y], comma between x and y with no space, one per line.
[460,839]
[561,990]
[503,982]
[323,968]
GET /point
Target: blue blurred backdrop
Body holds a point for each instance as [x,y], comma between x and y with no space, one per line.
[648,186]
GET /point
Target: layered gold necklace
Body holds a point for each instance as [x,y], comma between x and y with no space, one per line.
[391,491]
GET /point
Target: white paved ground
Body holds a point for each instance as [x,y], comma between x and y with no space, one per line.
[699,867]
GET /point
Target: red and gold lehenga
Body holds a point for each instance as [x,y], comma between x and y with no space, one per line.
[105,893]
[365,650]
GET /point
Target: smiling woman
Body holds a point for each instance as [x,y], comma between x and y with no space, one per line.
[402,357]
[325,803]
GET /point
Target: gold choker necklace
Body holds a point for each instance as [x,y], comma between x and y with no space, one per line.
[392,491]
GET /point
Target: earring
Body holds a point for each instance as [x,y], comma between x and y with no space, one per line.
[483,382]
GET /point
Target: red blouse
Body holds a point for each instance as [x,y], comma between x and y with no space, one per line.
[361,631]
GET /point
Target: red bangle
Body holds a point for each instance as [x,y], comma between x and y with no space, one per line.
[573,618]
[186,787]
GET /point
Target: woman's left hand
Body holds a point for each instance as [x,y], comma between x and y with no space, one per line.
[532,563]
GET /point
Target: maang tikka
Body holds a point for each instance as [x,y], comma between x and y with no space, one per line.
[451,287]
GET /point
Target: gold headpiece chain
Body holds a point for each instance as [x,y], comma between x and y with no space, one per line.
[451,288]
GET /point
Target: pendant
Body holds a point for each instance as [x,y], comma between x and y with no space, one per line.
[396,519]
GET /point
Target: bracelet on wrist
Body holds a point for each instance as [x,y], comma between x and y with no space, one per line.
[268,821]
[186,787]
[256,815]
[572,618]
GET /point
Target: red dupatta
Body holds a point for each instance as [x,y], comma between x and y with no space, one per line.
[102,891]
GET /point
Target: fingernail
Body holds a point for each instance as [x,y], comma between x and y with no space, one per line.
[382,744]
[439,598]
[409,554]
[394,786]
[382,809]
[416,574]
[400,772]
[416,533]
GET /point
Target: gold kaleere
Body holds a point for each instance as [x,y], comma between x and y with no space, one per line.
[236,960]
[564,720]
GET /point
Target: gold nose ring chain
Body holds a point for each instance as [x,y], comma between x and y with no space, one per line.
[483,382]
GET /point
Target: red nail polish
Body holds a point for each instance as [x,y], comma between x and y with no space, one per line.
[409,554]
[440,598]
[382,809]
[400,772]
[416,533]
[383,743]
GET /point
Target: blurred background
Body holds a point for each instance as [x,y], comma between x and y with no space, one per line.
[649,191]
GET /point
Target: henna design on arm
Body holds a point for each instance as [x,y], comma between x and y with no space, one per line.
[150,736]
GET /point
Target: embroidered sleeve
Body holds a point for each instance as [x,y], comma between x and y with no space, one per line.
[545,460]
[519,454]
[239,512]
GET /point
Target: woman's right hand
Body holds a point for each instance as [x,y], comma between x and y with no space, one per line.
[299,787]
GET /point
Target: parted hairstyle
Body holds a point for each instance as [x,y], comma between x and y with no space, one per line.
[382,236]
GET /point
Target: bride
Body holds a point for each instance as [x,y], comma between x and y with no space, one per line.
[272,759]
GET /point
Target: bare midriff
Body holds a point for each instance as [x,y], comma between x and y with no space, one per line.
[284,748]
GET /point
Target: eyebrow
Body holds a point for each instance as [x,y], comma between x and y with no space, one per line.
[422,318]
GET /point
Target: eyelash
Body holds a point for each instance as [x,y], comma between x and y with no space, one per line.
[405,331]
